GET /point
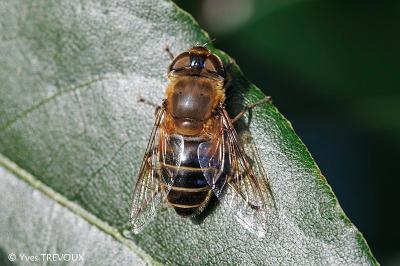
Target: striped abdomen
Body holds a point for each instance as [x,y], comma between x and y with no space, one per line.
[190,190]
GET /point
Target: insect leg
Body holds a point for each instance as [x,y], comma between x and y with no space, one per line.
[171,55]
[156,106]
[266,99]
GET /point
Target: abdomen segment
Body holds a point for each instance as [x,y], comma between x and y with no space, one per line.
[189,190]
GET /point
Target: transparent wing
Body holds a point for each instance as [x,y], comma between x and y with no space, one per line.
[172,147]
[147,195]
[245,190]
[212,155]
[248,193]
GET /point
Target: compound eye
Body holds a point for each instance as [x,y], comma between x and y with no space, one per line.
[180,62]
[213,64]
[209,66]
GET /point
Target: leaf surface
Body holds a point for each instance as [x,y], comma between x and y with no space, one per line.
[72,74]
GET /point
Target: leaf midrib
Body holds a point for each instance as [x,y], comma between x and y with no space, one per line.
[75,208]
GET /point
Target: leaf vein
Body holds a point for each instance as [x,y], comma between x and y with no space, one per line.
[98,170]
[35,183]
[44,101]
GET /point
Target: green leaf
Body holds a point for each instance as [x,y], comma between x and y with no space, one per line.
[36,221]
[72,128]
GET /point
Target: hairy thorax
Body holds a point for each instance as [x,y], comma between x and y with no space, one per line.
[190,103]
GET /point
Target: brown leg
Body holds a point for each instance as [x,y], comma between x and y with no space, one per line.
[267,99]
[156,106]
[171,55]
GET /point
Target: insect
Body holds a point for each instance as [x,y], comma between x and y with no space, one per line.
[194,150]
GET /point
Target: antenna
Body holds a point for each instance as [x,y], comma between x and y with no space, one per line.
[213,39]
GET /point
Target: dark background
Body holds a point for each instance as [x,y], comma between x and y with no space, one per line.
[332,70]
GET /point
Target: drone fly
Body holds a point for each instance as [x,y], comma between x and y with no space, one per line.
[194,150]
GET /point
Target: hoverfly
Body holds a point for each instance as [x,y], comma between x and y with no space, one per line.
[194,150]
